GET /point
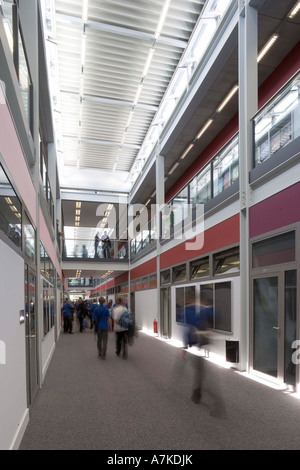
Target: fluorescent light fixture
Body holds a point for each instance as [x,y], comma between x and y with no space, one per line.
[8,200]
[81,86]
[77,218]
[173,168]
[110,207]
[78,211]
[228,98]
[138,94]
[85,10]
[130,118]
[153,194]
[77,224]
[267,47]
[162,18]
[148,202]
[83,50]
[148,63]
[78,205]
[187,151]
[204,128]
[294,10]
[14,209]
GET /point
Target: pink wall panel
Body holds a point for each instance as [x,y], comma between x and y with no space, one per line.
[278,211]
[12,154]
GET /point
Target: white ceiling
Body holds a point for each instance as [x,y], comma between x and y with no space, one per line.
[107,104]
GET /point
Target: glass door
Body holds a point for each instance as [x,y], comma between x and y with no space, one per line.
[31,334]
[275,325]
[265,323]
[166,312]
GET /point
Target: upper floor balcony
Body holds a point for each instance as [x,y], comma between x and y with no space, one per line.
[95,251]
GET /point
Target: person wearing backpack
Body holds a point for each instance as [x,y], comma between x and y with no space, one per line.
[102,320]
[120,329]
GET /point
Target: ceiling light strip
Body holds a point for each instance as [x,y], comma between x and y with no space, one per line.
[228,98]
[294,10]
[267,47]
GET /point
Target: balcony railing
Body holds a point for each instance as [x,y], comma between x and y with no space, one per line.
[89,250]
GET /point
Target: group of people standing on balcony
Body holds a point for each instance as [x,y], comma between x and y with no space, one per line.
[103,318]
[106,245]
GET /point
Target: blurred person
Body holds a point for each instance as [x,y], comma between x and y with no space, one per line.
[97,241]
[110,308]
[85,253]
[120,331]
[81,313]
[102,325]
[67,311]
[14,236]
[198,334]
[92,307]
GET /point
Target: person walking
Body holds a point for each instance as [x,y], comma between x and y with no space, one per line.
[120,331]
[67,311]
[102,324]
[81,313]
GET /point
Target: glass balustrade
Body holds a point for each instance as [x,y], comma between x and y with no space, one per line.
[278,123]
[87,249]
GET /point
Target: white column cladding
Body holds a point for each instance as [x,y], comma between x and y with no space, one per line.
[248,104]
[160,201]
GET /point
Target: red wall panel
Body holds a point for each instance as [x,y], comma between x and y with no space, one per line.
[275,212]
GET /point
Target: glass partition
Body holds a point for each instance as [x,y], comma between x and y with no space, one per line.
[226,168]
[7,19]
[29,235]
[200,268]
[24,78]
[10,210]
[278,123]
[201,187]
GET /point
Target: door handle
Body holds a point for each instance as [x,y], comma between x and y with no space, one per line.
[276,327]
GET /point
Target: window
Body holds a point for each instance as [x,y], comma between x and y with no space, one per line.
[227,262]
[10,211]
[180,305]
[6,8]
[165,277]
[179,273]
[276,250]
[207,301]
[25,81]
[153,281]
[48,278]
[200,268]
[222,310]
[278,123]
[29,236]
[145,282]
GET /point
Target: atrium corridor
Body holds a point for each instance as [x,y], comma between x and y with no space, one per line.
[145,403]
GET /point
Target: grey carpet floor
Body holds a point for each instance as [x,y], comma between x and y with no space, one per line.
[145,403]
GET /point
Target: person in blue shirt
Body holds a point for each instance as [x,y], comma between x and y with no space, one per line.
[67,311]
[102,319]
[106,245]
[92,307]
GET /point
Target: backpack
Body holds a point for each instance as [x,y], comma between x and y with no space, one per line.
[126,320]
